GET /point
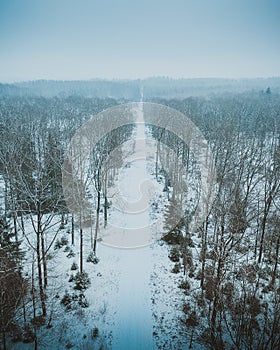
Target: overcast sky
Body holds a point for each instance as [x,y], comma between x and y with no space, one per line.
[84,39]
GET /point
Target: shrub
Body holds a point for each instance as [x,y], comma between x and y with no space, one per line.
[186,308]
[57,244]
[71,254]
[38,321]
[82,301]
[60,243]
[174,254]
[192,320]
[67,299]
[176,268]
[64,240]
[71,300]
[92,258]
[173,237]
[71,278]
[82,281]
[94,333]
[185,285]
[74,266]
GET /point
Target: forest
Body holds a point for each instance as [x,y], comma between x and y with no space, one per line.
[221,285]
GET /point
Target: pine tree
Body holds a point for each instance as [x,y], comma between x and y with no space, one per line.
[173,222]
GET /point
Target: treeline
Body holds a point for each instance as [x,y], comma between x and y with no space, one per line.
[230,264]
[121,89]
[35,134]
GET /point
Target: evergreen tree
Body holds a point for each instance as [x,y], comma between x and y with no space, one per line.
[173,222]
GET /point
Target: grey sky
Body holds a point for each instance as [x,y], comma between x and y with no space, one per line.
[84,39]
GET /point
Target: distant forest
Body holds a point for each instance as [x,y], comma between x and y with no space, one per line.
[132,89]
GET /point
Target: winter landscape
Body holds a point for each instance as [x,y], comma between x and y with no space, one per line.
[122,266]
[139,175]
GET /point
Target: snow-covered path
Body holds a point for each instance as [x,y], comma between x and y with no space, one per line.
[133,326]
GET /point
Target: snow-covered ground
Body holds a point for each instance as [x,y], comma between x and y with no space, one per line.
[131,296]
[2,194]
[139,253]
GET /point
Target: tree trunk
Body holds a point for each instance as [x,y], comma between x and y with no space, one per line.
[4,340]
[263,225]
[44,260]
[276,261]
[15,224]
[97,221]
[81,244]
[72,230]
[22,224]
[203,251]
[39,266]
[157,157]
[105,202]
[268,201]
[33,288]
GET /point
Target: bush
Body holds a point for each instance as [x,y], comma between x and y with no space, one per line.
[64,240]
[174,255]
[191,273]
[71,278]
[67,299]
[71,300]
[38,321]
[57,244]
[82,301]
[94,333]
[192,320]
[176,268]
[185,285]
[92,258]
[82,281]
[186,308]
[67,249]
[173,237]
[60,243]
[74,267]
[71,254]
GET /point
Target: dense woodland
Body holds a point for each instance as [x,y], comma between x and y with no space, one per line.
[229,265]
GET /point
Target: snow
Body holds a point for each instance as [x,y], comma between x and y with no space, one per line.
[133,319]
[131,298]
[129,224]
[2,194]
[134,325]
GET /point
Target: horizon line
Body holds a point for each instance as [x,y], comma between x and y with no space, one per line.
[135,79]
